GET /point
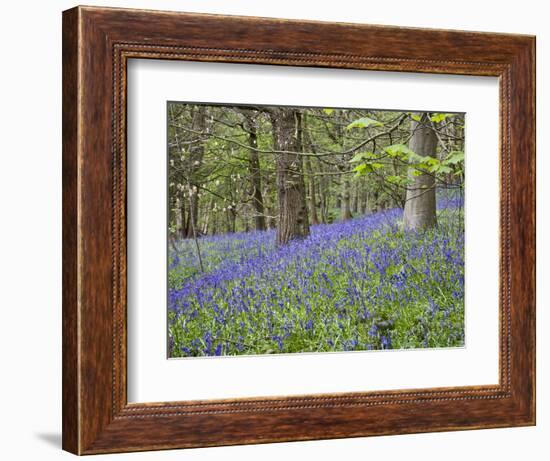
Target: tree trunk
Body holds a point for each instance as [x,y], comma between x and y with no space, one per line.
[420,209]
[207,219]
[193,212]
[271,220]
[346,200]
[231,219]
[355,199]
[293,217]
[183,219]
[215,222]
[194,162]
[312,193]
[373,204]
[323,202]
[364,202]
[306,140]
[255,175]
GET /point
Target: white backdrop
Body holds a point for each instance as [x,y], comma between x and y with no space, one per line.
[153,378]
[30,243]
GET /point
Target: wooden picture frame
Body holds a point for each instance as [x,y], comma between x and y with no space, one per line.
[97,43]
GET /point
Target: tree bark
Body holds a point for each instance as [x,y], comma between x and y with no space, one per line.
[207,218]
[293,216]
[309,170]
[231,215]
[271,220]
[355,199]
[183,218]
[194,162]
[323,195]
[193,213]
[312,193]
[364,202]
[420,206]
[346,200]
[255,175]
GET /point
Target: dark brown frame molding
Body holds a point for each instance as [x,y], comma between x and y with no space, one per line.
[97,43]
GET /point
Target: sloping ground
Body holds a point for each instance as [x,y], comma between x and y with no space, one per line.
[361,284]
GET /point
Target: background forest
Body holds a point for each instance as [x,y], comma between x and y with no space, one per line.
[314,229]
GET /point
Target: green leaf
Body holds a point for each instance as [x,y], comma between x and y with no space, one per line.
[454,158]
[439,117]
[430,161]
[429,164]
[328,111]
[365,168]
[398,150]
[416,117]
[363,122]
[362,156]
[397,180]
[360,169]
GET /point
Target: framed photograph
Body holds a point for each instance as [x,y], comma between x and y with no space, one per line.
[281,230]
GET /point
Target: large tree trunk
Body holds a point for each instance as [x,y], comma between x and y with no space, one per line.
[420,209]
[293,217]
[255,175]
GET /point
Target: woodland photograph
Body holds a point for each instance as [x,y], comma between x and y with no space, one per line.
[313,229]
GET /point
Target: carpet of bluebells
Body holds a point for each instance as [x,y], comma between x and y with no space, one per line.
[357,285]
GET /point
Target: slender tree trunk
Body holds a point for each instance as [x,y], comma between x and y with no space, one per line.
[207,219]
[345,193]
[355,199]
[309,170]
[196,154]
[323,184]
[312,193]
[255,176]
[346,200]
[215,222]
[182,219]
[293,217]
[193,224]
[420,207]
[231,215]
[364,202]
[373,204]
[193,214]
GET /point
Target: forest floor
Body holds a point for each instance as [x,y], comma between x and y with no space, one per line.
[362,284]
